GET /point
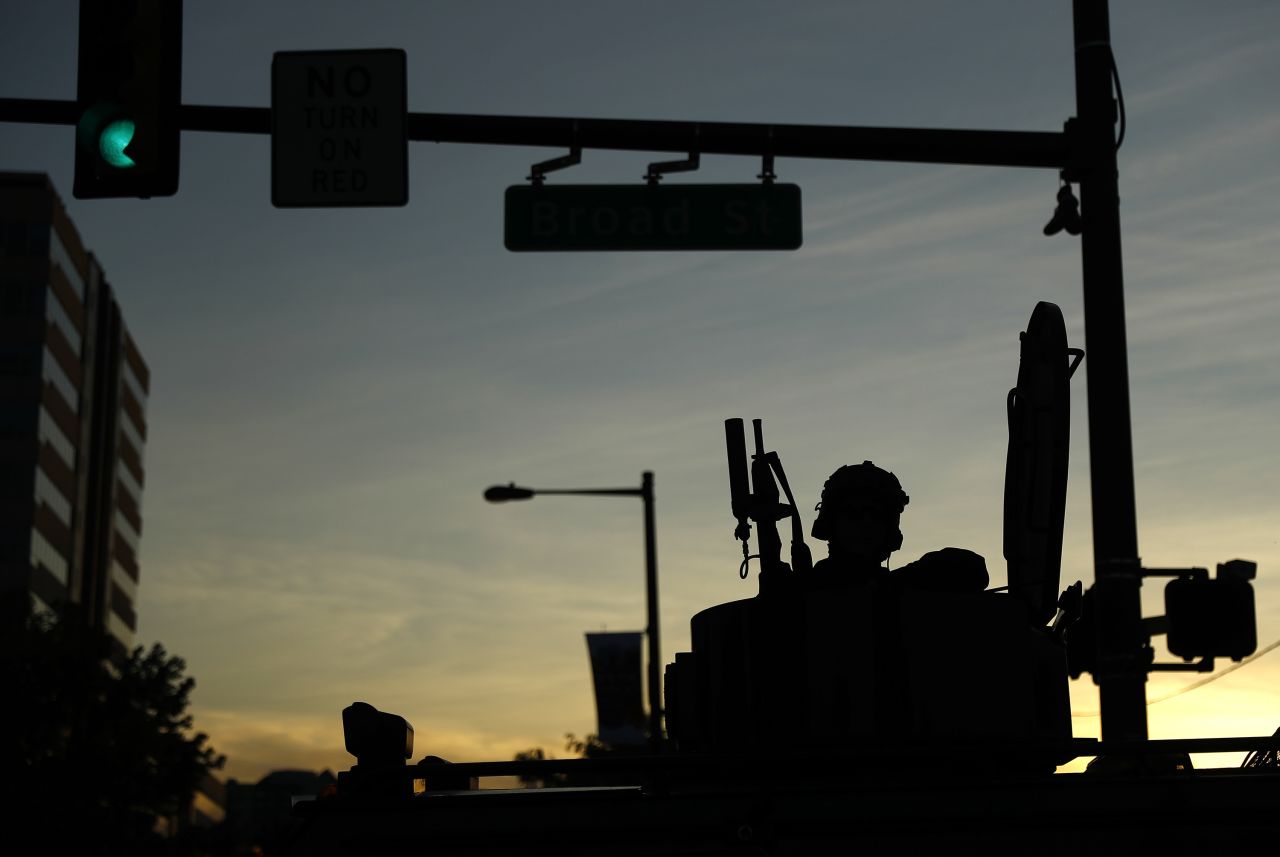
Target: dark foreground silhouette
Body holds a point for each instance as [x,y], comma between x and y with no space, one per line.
[849,652]
[847,703]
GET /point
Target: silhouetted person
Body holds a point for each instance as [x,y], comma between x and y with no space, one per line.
[859,518]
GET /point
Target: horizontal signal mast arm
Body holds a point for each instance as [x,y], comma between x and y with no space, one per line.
[1046,149]
[919,145]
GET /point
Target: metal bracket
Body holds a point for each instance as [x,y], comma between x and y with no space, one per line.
[1071,131]
[661,168]
[1204,665]
[538,171]
[1194,573]
[766,174]
[1077,355]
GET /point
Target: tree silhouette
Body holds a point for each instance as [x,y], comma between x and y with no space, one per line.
[98,754]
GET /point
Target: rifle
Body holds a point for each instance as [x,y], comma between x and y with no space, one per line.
[763,506]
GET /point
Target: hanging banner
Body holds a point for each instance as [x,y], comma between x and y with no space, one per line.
[616,674]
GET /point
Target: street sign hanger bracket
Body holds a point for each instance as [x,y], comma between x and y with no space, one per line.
[661,168]
[767,175]
[538,172]
[658,169]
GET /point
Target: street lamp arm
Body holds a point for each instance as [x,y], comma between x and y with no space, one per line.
[594,492]
[512,491]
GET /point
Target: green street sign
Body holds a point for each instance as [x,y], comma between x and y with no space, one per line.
[653,217]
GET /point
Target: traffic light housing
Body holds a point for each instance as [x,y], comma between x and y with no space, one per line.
[1213,618]
[129,91]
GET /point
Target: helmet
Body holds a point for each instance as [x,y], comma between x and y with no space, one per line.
[859,485]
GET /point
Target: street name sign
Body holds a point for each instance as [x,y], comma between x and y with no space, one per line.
[653,217]
[338,129]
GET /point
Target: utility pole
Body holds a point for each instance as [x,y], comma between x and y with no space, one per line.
[1121,669]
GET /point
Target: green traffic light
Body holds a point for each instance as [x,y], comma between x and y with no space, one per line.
[112,142]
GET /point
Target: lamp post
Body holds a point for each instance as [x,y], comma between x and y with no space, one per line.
[503,493]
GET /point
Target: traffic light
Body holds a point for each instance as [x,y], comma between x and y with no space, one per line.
[129,90]
[1213,618]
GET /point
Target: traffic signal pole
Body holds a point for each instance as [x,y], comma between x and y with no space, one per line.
[1084,151]
[1121,670]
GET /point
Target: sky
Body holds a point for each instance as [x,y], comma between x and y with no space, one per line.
[332,389]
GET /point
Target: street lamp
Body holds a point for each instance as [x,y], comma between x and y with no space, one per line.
[503,493]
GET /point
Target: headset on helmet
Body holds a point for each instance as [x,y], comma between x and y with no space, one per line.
[865,483]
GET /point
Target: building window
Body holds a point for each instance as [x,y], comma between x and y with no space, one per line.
[51,371]
[47,430]
[45,554]
[58,252]
[48,493]
[55,312]
[135,386]
[125,476]
[129,430]
[124,580]
[125,529]
[118,629]
[39,608]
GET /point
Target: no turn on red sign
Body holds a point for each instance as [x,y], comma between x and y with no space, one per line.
[338,129]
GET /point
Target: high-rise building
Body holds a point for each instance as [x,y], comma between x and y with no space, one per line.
[73,396]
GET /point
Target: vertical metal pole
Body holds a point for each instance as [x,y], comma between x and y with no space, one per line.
[651,599]
[1121,669]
